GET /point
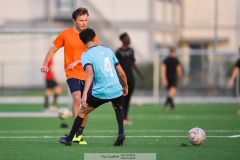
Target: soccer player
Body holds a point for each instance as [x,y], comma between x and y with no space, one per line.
[73,49]
[171,73]
[126,58]
[235,73]
[103,69]
[52,86]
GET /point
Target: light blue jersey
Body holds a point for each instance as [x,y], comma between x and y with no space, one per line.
[106,83]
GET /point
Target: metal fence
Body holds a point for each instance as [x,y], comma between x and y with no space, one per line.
[205,72]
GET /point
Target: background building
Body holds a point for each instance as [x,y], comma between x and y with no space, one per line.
[200,28]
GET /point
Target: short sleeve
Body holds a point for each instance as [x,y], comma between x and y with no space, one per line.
[117,53]
[164,61]
[177,62]
[133,56]
[59,41]
[85,60]
[238,63]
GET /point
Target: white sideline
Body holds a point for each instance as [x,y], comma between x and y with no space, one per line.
[51,137]
[138,100]
[113,131]
[171,117]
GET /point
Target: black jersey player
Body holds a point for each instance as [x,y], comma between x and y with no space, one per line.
[171,73]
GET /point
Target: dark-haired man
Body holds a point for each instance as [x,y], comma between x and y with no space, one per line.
[126,58]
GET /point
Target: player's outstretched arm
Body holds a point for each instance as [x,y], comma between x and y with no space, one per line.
[73,64]
[179,72]
[163,75]
[138,71]
[88,83]
[48,57]
[123,79]
[234,75]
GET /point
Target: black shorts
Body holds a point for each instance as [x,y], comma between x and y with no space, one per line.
[75,85]
[50,84]
[172,82]
[96,102]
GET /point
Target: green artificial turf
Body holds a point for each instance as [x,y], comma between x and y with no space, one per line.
[153,131]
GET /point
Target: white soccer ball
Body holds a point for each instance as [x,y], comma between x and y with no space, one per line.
[64,113]
[196,136]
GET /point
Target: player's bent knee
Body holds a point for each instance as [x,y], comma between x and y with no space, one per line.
[117,107]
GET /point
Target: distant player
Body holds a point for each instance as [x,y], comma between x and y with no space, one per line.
[171,72]
[126,58]
[235,73]
[103,69]
[52,88]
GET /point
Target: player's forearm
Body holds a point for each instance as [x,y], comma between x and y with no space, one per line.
[48,57]
[163,72]
[88,83]
[179,72]
[235,73]
[78,61]
[122,76]
[89,79]
[137,70]
[123,79]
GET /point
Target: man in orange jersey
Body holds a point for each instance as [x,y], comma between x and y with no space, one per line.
[73,49]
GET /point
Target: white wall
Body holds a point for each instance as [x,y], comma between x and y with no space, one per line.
[22,10]
[199,20]
[23,54]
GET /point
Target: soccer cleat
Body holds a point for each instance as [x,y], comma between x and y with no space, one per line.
[82,141]
[164,108]
[119,141]
[79,139]
[238,112]
[64,140]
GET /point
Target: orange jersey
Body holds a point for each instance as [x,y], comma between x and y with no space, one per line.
[73,50]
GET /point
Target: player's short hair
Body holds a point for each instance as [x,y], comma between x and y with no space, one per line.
[122,36]
[79,12]
[87,35]
[172,49]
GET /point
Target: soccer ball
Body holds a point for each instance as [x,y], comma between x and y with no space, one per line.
[196,136]
[64,113]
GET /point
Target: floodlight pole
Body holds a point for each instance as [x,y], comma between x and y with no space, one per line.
[153,51]
[216,27]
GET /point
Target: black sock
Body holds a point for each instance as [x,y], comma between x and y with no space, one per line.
[172,102]
[46,102]
[167,101]
[77,122]
[80,131]
[55,99]
[119,117]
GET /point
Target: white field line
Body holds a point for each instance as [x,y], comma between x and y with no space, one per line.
[170,117]
[113,131]
[51,137]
